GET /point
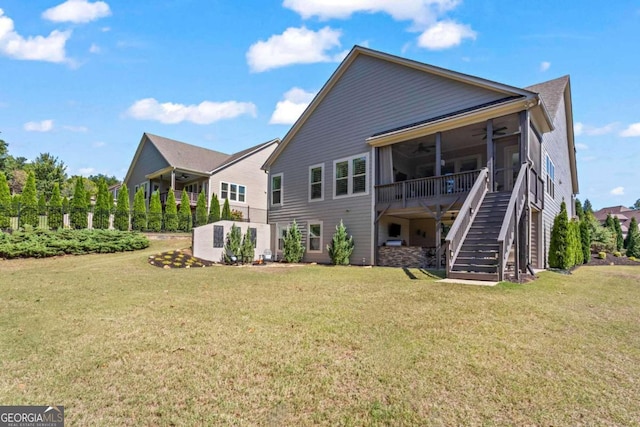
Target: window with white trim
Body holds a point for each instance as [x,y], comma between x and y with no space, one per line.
[281,233]
[551,177]
[351,176]
[233,192]
[314,236]
[276,189]
[316,189]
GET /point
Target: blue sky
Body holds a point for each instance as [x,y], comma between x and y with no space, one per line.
[84,79]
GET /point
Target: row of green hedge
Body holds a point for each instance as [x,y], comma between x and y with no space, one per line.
[44,243]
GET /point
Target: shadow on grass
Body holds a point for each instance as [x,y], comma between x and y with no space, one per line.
[431,274]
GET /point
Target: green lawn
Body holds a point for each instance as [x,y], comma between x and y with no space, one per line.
[119,342]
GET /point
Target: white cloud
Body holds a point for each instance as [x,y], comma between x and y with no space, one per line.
[631,131]
[35,48]
[294,46]
[578,128]
[291,107]
[77,11]
[445,34]
[545,65]
[618,191]
[76,128]
[86,171]
[94,48]
[204,113]
[98,144]
[589,130]
[43,126]
[581,146]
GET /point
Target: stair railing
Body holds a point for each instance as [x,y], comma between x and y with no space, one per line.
[460,227]
[509,228]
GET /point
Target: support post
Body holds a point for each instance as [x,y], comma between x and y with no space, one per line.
[173,180]
[490,155]
[438,170]
[438,237]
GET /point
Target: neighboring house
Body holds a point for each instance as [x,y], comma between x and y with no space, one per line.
[623,214]
[161,163]
[427,167]
[114,190]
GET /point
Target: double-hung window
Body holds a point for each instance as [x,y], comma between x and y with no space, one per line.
[316,189]
[233,192]
[551,177]
[351,177]
[276,190]
[314,236]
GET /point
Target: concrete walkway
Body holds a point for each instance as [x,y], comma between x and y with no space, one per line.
[468,282]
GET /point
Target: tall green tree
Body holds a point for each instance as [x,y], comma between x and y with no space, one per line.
[15,204]
[559,247]
[632,242]
[247,249]
[102,210]
[42,205]
[619,236]
[585,236]
[579,210]
[29,203]
[121,218]
[201,209]
[214,209]
[636,205]
[171,212]
[341,246]
[5,201]
[66,205]
[587,206]
[226,211]
[233,244]
[139,218]
[54,215]
[78,215]
[110,180]
[293,248]
[48,170]
[185,222]
[155,212]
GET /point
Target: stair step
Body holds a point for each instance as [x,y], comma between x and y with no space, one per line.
[474,268]
[492,261]
[486,253]
[489,277]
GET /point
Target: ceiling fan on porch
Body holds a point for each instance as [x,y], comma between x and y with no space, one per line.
[498,131]
[422,148]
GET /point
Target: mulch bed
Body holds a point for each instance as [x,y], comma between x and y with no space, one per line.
[611,260]
[178,259]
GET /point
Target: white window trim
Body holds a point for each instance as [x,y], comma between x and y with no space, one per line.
[321,198]
[549,177]
[309,224]
[281,175]
[349,161]
[280,226]
[229,183]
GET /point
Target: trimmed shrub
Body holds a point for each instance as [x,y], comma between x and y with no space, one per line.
[15,204]
[617,254]
[574,244]
[185,222]
[78,215]
[226,211]
[214,209]
[585,238]
[341,246]
[121,218]
[602,255]
[558,247]
[29,203]
[201,210]
[5,202]
[293,249]
[155,213]
[139,218]
[619,237]
[171,212]
[66,205]
[42,205]
[247,249]
[55,208]
[233,243]
[236,215]
[632,242]
[102,209]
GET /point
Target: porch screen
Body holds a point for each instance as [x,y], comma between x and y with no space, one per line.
[385,164]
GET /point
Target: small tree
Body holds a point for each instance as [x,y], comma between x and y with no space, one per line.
[341,246]
[558,247]
[233,243]
[574,246]
[185,222]
[632,242]
[155,212]
[587,206]
[214,209]
[579,210]
[226,211]
[55,208]
[247,249]
[619,237]
[5,202]
[29,203]
[171,212]
[585,237]
[102,210]
[42,205]
[78,215]
[293,248]
[66,205]
[139,218]
[201,209]
[121,219]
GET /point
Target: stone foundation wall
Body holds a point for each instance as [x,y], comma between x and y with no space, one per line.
[406,256]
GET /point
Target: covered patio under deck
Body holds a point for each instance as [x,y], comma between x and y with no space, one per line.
[185,183]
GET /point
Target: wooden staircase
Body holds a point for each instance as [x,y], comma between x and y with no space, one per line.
[479,256]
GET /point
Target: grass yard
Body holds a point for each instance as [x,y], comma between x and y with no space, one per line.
[120,342]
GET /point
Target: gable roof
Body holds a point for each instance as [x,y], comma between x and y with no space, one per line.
[507,90]
[551,92]
[234,158]
[186,156]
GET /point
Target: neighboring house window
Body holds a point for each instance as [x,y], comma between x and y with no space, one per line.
[551,178]
[351,176]
[276,190]
[314,237]
[218,236]
[233,192]
[315,183]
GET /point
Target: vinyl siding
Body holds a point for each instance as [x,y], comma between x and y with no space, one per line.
[149,160]
[556,146]
[371,96]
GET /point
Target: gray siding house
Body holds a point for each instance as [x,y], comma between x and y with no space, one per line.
[160,164]
[426,167]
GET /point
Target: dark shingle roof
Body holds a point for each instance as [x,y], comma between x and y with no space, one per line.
[551,93]
[186,156]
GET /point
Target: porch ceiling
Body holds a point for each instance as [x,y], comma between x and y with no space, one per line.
[181,175]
